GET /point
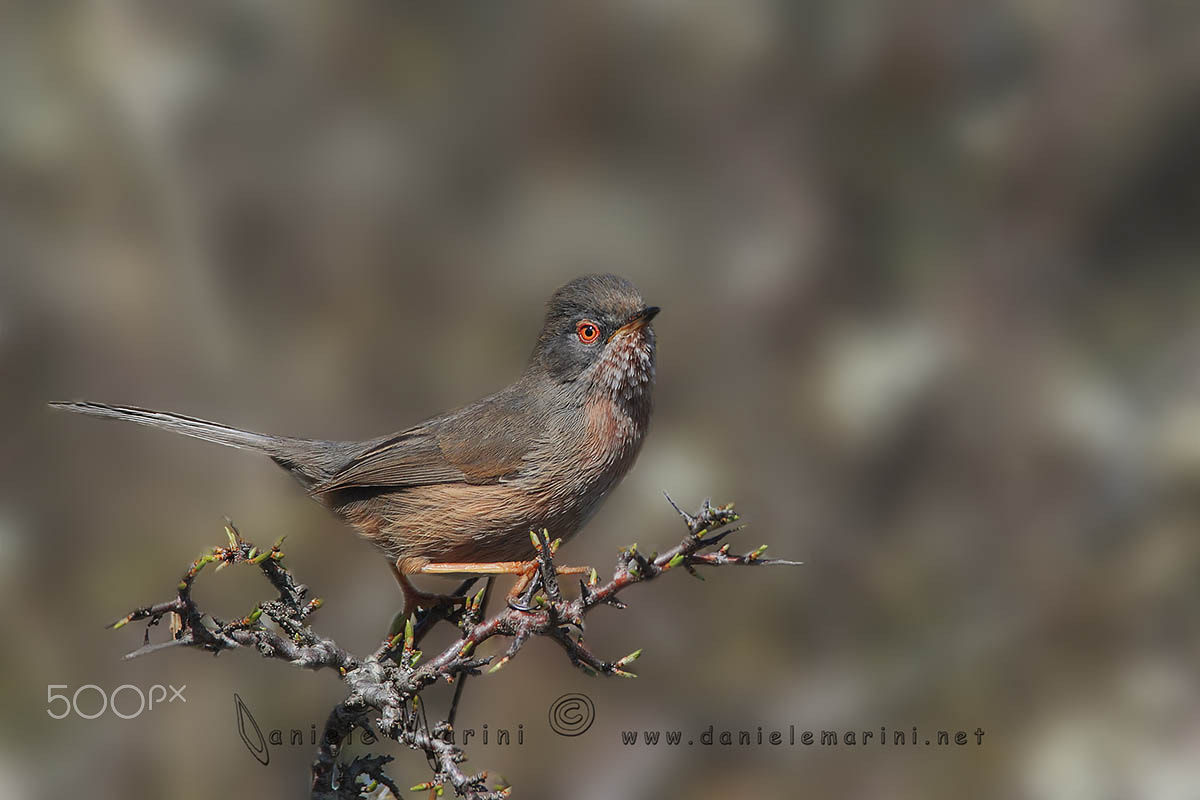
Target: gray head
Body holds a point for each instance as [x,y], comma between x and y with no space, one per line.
[597,328]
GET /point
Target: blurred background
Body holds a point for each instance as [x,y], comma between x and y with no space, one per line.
[930,291]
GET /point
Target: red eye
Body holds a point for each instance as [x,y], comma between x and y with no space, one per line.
[587,331]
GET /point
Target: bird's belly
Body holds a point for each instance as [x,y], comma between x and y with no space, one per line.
[460,522]
[463,522]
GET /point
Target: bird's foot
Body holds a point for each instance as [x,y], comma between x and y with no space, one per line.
[416,601]
[524,600]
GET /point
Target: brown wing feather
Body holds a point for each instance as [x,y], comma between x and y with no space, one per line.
[480,444]
[412,458]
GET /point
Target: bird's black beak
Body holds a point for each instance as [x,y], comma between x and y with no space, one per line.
[638,321]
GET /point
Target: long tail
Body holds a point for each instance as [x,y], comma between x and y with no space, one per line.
[188,426]
[303,457]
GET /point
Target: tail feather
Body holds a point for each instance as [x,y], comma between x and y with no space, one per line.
[188,426]
[307,459]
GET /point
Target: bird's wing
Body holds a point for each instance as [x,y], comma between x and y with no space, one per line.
[480,444]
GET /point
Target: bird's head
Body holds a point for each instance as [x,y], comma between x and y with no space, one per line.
[597,333]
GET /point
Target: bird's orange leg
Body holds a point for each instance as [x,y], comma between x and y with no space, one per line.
[525,569]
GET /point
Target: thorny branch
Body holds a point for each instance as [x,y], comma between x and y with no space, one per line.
[385,687]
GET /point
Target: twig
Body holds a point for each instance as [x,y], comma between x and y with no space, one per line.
[385,687]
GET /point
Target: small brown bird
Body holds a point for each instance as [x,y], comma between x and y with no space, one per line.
[460,493]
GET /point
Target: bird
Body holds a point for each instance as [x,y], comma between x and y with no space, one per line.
[460,493]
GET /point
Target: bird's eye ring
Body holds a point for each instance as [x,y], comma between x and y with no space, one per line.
[587,331]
